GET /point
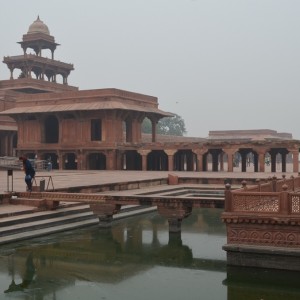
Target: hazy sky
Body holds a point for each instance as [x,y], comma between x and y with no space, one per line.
[219,64]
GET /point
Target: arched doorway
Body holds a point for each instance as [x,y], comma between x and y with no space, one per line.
[132,160]
[185,160]
[97,161]
[70,161]
[157,160]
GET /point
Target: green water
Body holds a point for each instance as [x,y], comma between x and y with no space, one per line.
[137,259]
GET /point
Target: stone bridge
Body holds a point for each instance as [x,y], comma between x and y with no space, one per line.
[174,208]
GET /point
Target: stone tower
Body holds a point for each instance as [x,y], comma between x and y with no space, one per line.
[37,72]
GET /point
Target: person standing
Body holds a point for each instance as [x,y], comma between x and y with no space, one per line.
[29,172]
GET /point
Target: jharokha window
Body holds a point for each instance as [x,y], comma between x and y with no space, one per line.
[96,130]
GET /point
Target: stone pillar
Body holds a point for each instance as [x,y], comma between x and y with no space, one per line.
[261,158]
[110,161]
[230,153]
[273,162]
[153,122]
[244,161]
[221,161]
[144,154]
[170,154]
[295,161]
[175,212]
[283,162]
[199,157]
[60,161]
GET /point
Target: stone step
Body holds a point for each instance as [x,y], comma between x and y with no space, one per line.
[30,216]
[46,223]
[34,202]
[46,231]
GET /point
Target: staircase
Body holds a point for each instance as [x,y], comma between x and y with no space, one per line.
[28,216]
[34,223]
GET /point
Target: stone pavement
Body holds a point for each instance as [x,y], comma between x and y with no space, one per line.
[74,178]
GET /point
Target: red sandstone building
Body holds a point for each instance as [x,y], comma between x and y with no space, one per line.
[41,115]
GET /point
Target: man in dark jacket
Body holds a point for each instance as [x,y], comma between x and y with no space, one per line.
[29,172]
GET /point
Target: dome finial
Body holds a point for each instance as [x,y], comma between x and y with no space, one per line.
[38,26]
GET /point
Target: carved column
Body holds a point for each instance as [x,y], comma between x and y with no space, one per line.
[230,153]
[144,154]
[170,154]
[261,158]
[199,156]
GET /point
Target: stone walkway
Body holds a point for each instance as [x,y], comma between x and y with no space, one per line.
[64,179]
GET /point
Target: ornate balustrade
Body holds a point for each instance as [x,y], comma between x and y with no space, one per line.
[253,202]
[263,227]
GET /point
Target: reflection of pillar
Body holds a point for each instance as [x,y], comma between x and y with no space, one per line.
[174,225]
[261,158]
[296,161]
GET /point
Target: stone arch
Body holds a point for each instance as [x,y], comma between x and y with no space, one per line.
[211,160]
[157,160]
[278,159]
[131,160]
[70,161]
[97,161]
[185,160]
[248,160]
[51,129]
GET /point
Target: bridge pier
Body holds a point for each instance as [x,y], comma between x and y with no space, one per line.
[175,212]
[105,212]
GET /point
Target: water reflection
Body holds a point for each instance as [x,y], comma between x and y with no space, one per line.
[135,259]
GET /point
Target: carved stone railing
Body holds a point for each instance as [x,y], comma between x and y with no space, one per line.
[263,228]
[254,202]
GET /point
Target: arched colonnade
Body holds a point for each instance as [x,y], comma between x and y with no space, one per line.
[273,159]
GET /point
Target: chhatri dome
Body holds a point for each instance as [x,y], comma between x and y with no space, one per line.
[38,26]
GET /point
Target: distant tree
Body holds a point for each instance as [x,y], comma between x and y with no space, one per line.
[168,126]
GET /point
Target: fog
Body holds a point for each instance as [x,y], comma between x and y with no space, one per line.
[219,64]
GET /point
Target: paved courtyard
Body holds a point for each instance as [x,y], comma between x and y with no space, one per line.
[64,179]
